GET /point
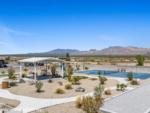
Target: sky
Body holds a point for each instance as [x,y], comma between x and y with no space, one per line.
[42,25]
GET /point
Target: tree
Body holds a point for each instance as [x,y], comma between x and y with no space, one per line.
[67,57]
[69,72]
[140,60]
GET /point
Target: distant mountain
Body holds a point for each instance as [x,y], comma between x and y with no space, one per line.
[62,51]
[114,51]
[118,50]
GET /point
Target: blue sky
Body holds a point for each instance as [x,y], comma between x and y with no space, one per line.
[43,25]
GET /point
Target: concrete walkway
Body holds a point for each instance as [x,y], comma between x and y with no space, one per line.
[135,101]
[28,104]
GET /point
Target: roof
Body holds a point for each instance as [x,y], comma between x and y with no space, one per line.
[40,59]
[135,101]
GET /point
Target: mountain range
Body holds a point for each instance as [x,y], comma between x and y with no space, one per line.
[114,51]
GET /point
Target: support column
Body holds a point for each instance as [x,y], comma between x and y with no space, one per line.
[46,68]
[20,75]
[35,71]
[62,70]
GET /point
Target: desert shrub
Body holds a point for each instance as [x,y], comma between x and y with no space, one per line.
[98,91]
[38,86]
[130,76]
[60,91]
[25,72]
[91,104]
[98,63]
[75,80]
[60,83]
[86,68]
[93,79]
[12,77]
[135,82]
[108,92]
[121,87]
[68,86]
[11,74]
[79,102]
[45,111]
[53,69]
[118,87]
[3,72]
[50,80]
[82,77]
[102,79]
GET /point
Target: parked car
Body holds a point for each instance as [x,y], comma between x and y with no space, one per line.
[3,64]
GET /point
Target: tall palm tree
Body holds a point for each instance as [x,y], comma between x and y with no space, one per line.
[69,72]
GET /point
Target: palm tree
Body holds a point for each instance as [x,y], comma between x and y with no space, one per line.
[69,72]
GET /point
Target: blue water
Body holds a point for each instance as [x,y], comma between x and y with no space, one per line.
[116,74]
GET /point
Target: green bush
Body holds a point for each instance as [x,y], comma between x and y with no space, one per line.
[121,87]
[60,91]
[134,82]
[68,86]
[108,92]
[11,74]
[102,79]
[98,91]
[38,86]
[93,79]
[140,60]
[75,80]
[3,72]
[86,68]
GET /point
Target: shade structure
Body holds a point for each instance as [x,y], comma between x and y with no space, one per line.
[40,59]
[35,60]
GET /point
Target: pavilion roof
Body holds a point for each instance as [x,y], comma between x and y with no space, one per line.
[40,59]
